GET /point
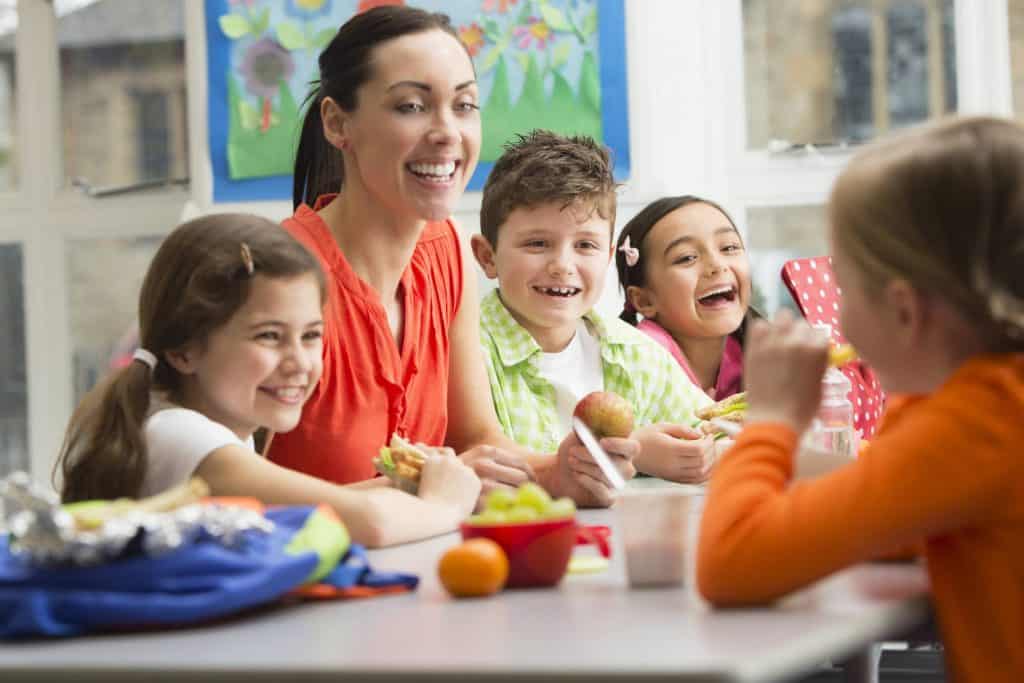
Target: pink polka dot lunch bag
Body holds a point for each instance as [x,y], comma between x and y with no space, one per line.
[812,284]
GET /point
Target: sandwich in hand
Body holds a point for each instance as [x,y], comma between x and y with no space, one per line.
[731,409]
[402,463]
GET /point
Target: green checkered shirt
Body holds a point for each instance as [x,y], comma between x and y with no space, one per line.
[634,367]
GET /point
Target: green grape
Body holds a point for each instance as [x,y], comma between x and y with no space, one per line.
[489,517]
[534,496]
[558,509]
[522,513]
[500,499]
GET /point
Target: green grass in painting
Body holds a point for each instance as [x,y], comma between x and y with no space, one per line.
[562,112]
[252,153]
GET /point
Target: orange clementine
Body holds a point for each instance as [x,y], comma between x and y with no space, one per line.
[474,568]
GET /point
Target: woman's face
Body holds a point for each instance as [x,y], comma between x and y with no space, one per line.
[698,275]
[413,141]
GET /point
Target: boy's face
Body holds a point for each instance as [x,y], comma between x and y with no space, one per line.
[550,264]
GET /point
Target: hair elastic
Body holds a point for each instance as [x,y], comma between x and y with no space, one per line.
[632,254]
[146,357]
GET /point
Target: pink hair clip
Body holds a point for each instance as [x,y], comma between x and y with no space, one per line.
[632,254]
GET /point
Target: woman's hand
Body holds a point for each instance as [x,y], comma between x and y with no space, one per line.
[675,452]
[782,371]
[581,479]
[497,468]
[446,480]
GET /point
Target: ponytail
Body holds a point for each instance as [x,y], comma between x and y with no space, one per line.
[104,450]
[628,314]
[318,166]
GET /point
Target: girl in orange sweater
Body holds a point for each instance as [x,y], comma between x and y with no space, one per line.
[927,238]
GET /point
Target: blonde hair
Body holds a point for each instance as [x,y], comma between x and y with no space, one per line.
[941,206]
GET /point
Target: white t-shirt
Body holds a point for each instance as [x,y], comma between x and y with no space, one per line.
[574,372]
[177,440]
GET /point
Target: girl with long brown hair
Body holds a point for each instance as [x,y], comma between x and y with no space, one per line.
[231,328]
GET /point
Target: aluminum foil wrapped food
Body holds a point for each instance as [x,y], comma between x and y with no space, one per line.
[44,532]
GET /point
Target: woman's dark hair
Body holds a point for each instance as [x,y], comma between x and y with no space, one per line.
[345,65]
[199,278]
[636,230]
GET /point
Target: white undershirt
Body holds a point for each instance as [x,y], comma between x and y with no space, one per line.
[575,371]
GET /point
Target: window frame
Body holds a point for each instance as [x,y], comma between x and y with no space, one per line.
[750,178]
[43,216]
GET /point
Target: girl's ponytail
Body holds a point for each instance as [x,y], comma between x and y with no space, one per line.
[318,166]
[628,314]
[104,450]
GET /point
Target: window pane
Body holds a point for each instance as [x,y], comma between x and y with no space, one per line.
[122,68]
[1016,11]
[104,308]
[13,387]
[8,104]
[835,71]
[775,235]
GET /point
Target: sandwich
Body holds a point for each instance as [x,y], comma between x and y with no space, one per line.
[731,409]
[402,463]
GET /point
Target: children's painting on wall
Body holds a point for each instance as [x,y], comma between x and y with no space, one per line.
[555,64]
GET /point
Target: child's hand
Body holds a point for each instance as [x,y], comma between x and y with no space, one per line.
[447,481]
[782,370]
[581,479]
[675,452]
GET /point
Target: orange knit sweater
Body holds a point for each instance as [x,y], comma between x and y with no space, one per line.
[946,470]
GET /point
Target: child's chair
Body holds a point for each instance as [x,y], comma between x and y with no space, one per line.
[813,286]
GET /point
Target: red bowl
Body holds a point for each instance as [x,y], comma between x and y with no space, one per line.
[538,552]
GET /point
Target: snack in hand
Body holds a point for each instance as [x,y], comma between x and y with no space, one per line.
[731,409]
[841,354]
[402,463]
[606,413]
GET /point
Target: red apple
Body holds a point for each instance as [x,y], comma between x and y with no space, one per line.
[606,413]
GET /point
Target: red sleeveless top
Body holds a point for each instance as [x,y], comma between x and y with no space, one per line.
[370,388]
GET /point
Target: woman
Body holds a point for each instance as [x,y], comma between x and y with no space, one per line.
[393,130]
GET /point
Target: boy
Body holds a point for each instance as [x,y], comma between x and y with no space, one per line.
[547,218]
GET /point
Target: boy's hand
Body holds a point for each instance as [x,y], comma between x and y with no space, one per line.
[446,480]
[581,479]
[497,468]
[675,452]
[782,370]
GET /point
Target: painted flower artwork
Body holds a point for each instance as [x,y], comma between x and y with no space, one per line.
[537,62]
